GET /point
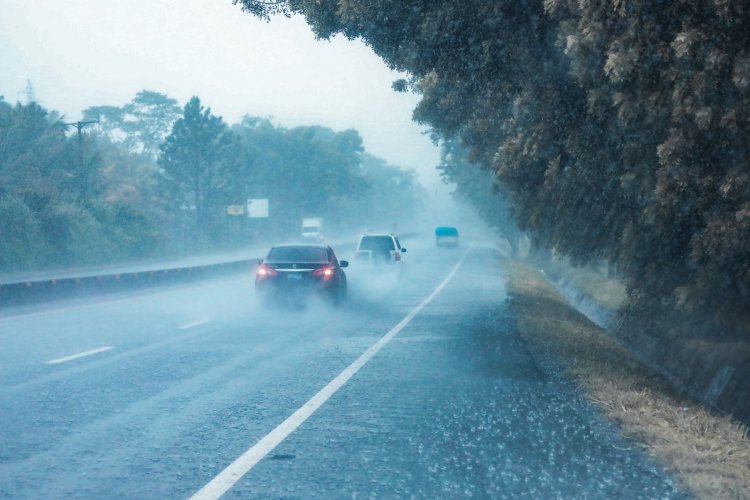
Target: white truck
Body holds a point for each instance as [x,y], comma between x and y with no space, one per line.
[312,228]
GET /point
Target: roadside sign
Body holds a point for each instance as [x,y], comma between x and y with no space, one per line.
[235,209]
[257,208]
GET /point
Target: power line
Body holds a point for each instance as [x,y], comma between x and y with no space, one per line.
[79,126]
[29,93]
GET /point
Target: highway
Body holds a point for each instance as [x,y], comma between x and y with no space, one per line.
[416,386]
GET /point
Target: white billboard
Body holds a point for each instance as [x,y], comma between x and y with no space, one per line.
[257,208]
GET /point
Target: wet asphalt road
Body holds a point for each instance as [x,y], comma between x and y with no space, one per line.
[451,407]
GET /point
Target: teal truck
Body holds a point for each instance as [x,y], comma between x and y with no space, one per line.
[446,236]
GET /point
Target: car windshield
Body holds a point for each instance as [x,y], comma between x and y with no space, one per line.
[297,254]
[376,243]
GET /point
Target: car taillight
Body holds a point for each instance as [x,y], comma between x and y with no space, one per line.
[397,256]
[324,272]
[264,271]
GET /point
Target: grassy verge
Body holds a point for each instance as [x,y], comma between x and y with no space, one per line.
[709,454]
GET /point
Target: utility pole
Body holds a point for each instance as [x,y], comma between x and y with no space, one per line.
[79,126]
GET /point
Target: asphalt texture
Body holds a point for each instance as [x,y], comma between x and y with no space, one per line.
[452,407]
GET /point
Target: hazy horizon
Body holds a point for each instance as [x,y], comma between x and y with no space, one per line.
[86,53]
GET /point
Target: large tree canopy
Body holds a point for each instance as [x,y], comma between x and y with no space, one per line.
[197,158]
[619,129]
[53,213]
[315,171]
[141,125]
[107,198]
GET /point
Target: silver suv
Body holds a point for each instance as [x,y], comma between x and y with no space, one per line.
[379,249]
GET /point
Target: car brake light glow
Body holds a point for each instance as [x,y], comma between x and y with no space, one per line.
[325,272]
[264,271]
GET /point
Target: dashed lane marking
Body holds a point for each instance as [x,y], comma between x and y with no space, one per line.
[79,355]
[193,324]
[242,465]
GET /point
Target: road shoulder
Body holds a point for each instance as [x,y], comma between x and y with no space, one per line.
[707,453]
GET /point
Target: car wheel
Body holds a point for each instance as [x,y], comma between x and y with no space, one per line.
[340,295]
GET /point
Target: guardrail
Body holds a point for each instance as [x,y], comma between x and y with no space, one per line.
[45,290]
[38,290]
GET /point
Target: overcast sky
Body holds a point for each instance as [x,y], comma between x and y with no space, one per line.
[81,53]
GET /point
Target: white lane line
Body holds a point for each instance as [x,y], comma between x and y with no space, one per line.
[76,356]
[194,324]
[242,465]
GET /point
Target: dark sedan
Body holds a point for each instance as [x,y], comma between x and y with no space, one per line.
[291,270]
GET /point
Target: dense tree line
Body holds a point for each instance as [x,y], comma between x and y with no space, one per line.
[618,129]
[55,205]
[153,179]
[140,125]
[479,188]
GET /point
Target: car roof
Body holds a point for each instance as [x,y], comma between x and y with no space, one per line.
[307,245]
[378,234]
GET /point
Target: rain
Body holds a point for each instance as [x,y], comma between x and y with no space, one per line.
[346,249]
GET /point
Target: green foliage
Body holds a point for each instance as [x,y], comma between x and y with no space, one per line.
[20,234]
[619,130]
[198,160]
[149,119]
[264,9]
[480,188]
[128,231]
[314,171]
[141,125]
[106,199]
[53,204]
[400,85]
[393,195]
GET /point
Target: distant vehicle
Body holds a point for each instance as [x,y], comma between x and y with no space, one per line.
[446,236]
[379,249]
[312,228]
[291,270]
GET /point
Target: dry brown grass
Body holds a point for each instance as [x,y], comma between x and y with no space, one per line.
[709,454]
[610,293]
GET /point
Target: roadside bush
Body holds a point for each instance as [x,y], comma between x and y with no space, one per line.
[21,238]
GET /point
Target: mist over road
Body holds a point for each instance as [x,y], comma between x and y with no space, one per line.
[152,395]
